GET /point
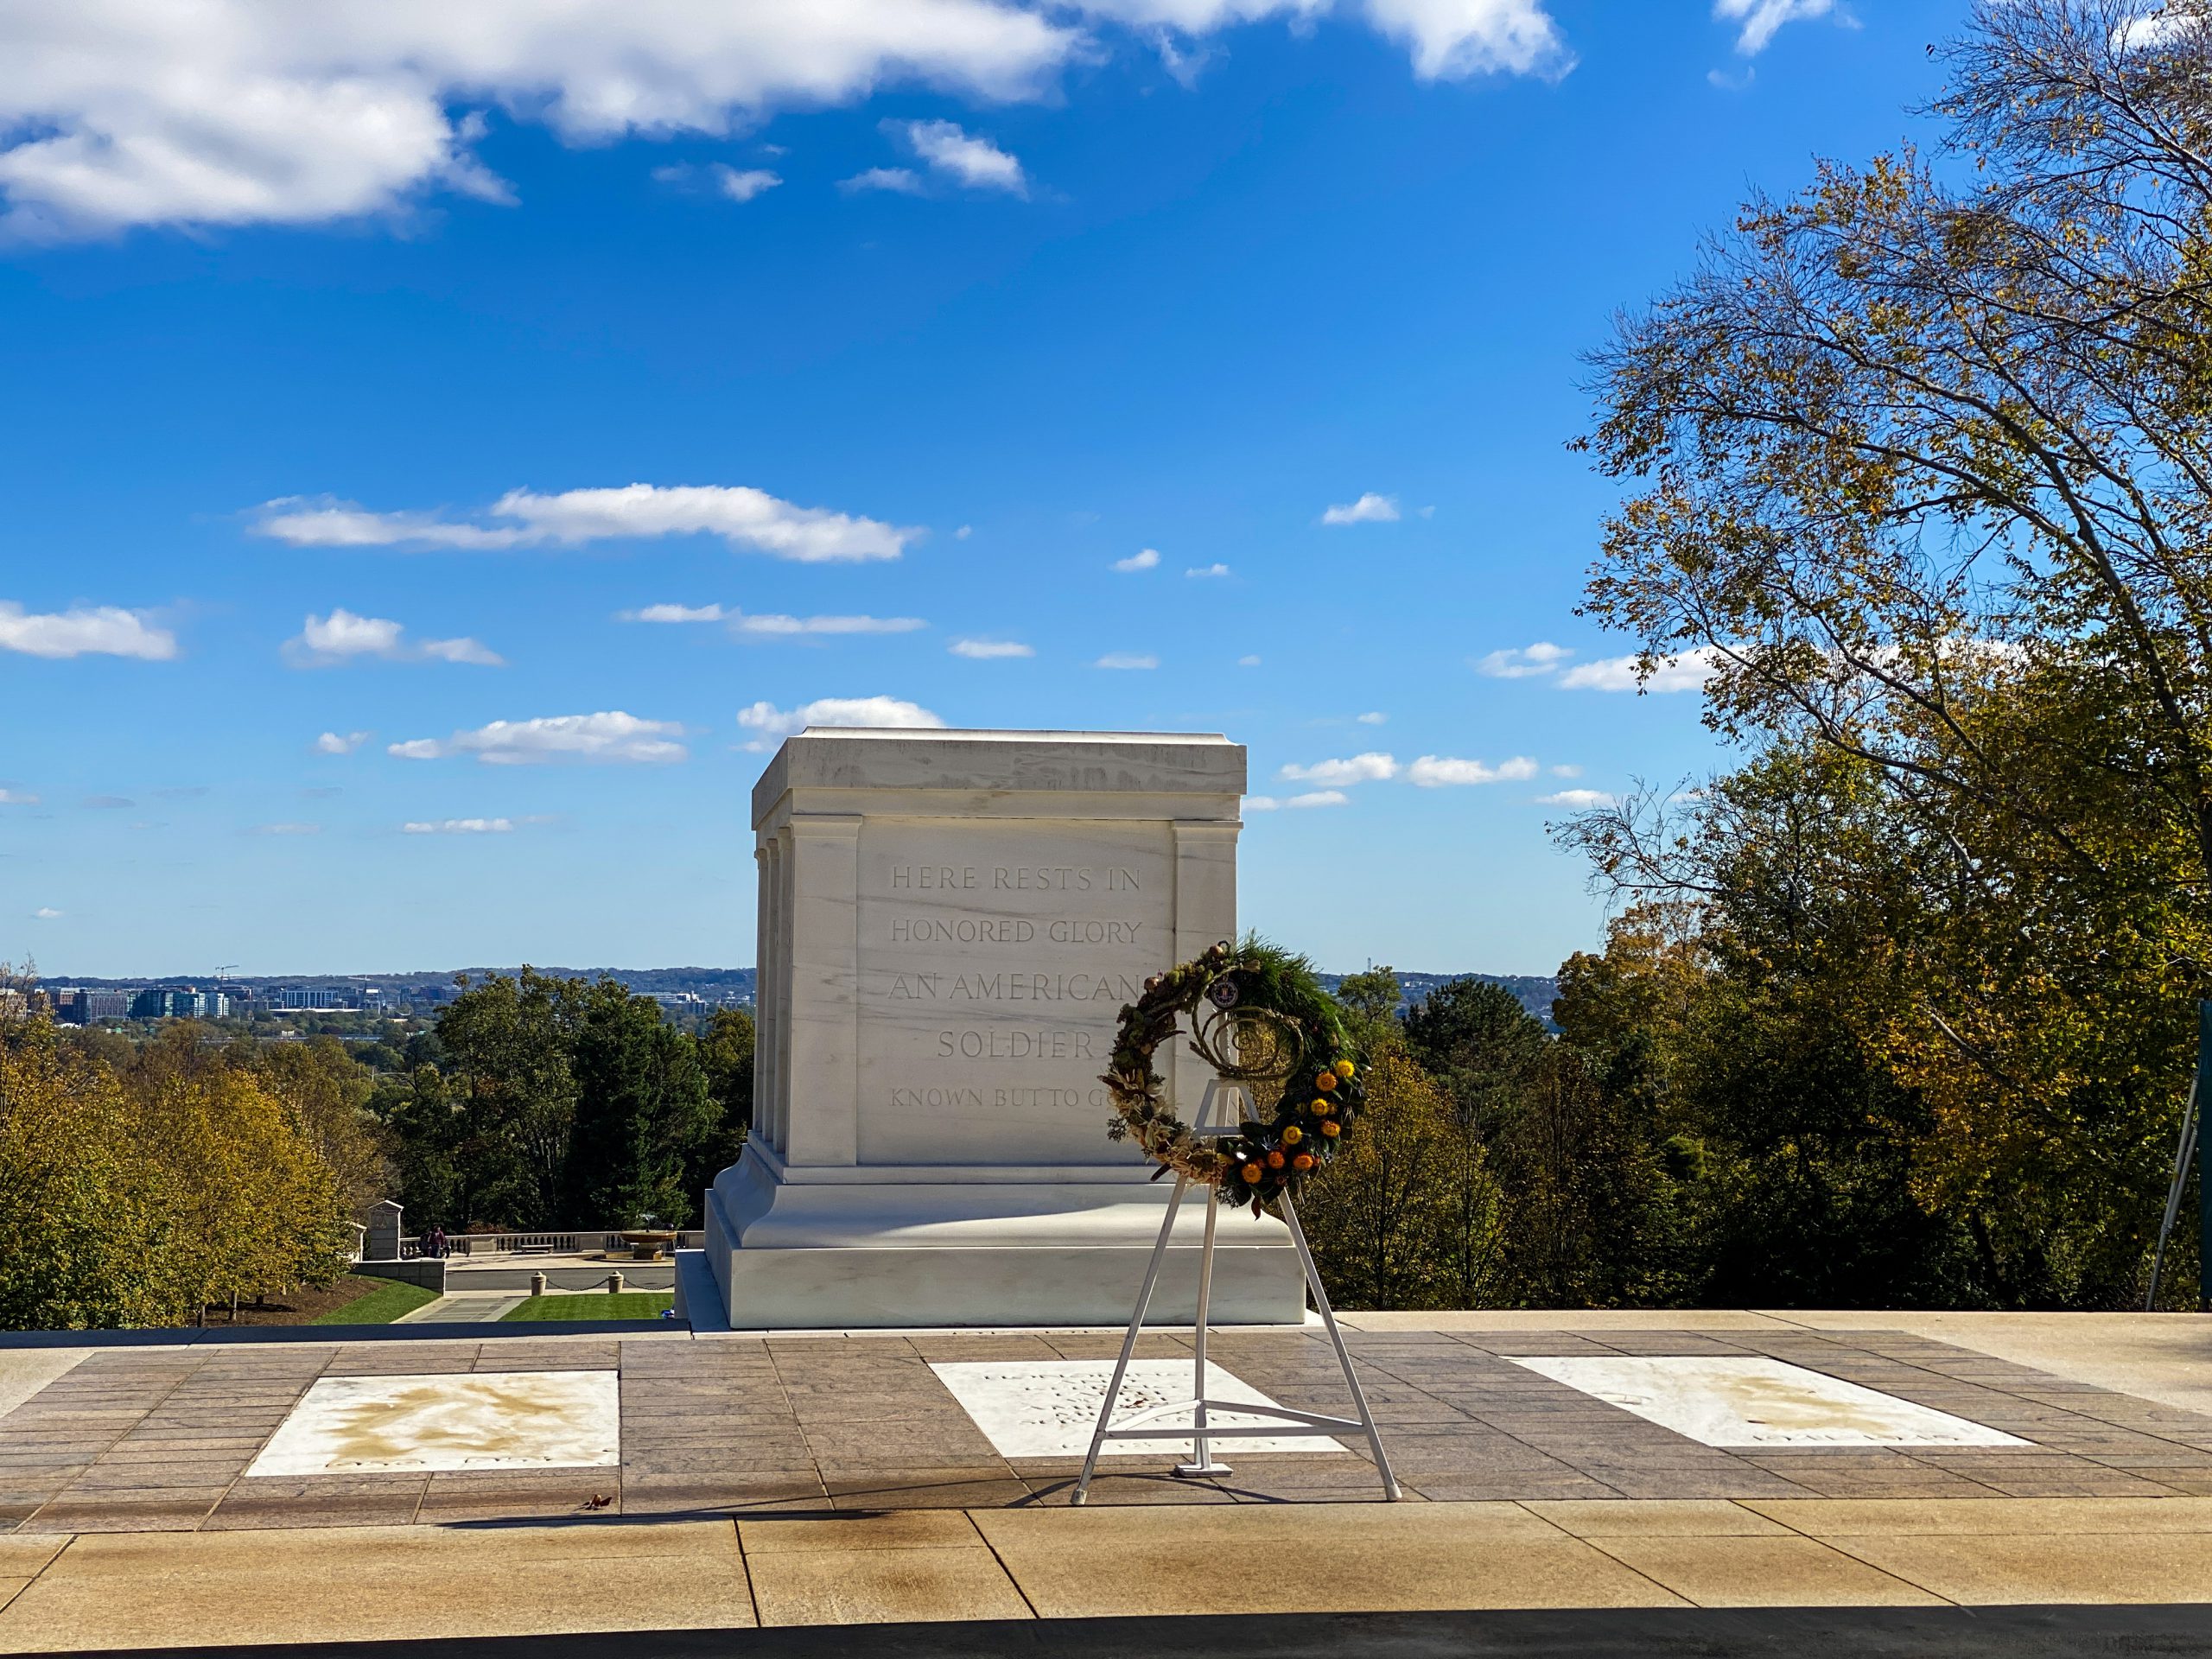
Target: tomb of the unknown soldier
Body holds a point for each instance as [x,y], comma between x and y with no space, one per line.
[950,925]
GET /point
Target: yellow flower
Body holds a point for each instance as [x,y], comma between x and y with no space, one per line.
[1322,1108]
[1332,1129]
[1293,1135]
[1344,1068]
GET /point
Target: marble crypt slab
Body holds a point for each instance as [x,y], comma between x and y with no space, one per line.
[1728,1400]
[507,1419]
[1048,1408]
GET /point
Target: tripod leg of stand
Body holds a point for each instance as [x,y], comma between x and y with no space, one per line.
[2182,1157]
[1202,1461]
[1343,1356]
[1129,1342]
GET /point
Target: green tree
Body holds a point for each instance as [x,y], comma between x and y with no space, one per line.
[1478,1041]
[643,1116]
[726,1050]
[508,1046]
[1920,479]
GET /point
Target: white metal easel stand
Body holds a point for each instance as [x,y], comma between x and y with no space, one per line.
[1284,1419]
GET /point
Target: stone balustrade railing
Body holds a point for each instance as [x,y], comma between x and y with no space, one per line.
[497,1244]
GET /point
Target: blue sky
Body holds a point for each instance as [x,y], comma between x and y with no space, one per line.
[374,374]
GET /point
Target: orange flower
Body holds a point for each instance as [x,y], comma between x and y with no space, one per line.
[1332,1129]
[1304,1160]
[1252,1172]
[1326,1081]
[1275,1160]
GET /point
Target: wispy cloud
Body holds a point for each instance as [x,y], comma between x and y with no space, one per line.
[900,181]
[1524,662]
[16,797]
[771,724]
[1296,802]
[972,163]
[1578,800]
[740,515]
[1370,767]
[1687,672]
[1438,772]
[1247,662]
[1202,571]
[1369,509]
[1763,19]
[984,651]
[1145,559]
[341,742]
[673,614]
[107,802]
[458,827]
[342,637]
[46,913]
[1126,660]
[1372,718]
[745,185]
[771,626]
[611,736]
[288,829]
[95,631]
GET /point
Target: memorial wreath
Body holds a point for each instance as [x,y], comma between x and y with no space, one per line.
[1259,1017]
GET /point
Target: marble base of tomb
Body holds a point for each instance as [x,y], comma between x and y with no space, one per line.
[991,1246]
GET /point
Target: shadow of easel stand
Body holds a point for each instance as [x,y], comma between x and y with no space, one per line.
[1282,1420]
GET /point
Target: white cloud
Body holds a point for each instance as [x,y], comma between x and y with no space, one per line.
[1580,800]
[1372,718]
[16,797]
[612,736]
[97,631]
[1143,560]
[976,163]
[773,723]
[983,651]
[1261,804]
[741,515]
[134,112]
[964,532]
[340,742]
[1204,570]
[1687,672]
[786,627]
[342,637]
[1369,509]
[1126,660]
[1761,19]
[743,186]
[1359,769]
[288,829]
[458,827]
[1565,772]
[46,913]
[1453,39]
[1247,662]
[1435,771]
[1296,802]
[900,181]
[1524,662]
[673,614]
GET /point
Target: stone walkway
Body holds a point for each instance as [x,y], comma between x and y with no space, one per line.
[136,1438]
[796,1479]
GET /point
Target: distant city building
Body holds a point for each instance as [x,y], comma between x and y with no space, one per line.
[306,998]
[679,1001]
[75,1005]
[179,1002]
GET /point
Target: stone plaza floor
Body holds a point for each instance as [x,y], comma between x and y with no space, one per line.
[669,1481]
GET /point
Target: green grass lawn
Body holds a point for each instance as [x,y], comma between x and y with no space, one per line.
[595,1305]
[387,1298]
